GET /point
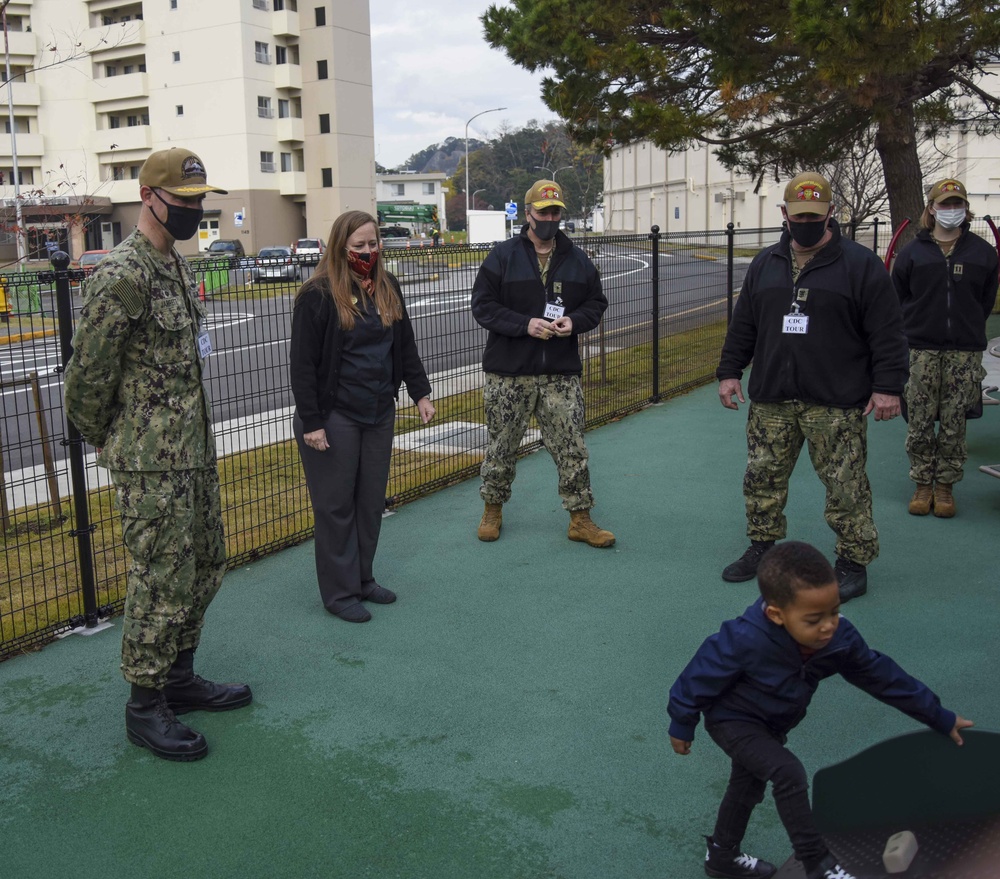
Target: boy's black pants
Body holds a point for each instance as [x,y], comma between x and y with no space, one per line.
[759,756]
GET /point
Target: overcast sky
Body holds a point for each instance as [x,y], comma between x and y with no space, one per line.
[433,70]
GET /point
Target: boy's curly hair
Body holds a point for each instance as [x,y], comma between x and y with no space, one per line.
[788,568]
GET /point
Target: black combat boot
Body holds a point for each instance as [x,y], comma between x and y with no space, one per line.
[150,723]
[745,567]
[185,691]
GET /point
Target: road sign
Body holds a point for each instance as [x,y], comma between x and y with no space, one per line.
[238,218]
[511,207]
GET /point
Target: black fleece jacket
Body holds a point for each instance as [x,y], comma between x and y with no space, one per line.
[315,356]
[854,345]
[946,301]
[508,292]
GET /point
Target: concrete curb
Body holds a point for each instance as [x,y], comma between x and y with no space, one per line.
[26,337]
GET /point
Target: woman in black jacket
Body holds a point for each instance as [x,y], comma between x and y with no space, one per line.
[946,279]
[352,347]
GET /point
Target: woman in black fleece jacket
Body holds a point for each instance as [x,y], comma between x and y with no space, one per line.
[352,347]
[946,279]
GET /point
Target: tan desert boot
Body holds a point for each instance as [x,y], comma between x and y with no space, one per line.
[489,526]
[920,503]
[944,502]
[581,528]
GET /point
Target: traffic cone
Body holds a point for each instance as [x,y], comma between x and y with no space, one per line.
[201,290]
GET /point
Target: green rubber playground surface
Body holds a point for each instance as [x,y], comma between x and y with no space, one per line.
[505,719]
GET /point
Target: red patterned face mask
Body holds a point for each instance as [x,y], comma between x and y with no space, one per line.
[362,264]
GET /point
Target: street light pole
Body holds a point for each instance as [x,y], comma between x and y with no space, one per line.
[15,172]
[557,170]
[474,197]
[543,168]
[494,110]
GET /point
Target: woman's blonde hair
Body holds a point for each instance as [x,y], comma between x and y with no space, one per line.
[333,274]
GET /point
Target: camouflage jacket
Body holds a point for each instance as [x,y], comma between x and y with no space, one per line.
[134,382]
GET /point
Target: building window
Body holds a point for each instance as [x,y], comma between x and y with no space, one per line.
[262,52]
[327,177]
[321,69]
[397,190]
[173,4]
[110,70]
[267,161]
[260,4]
[284,108]
[279,5]
[127,69]
[324,123]
[280,55]
[264,109]
[286,161]
[320,16]
[180,109]
[117,172]
[133,171]
[177,57]
[114,122]
[428,188]
[133,121]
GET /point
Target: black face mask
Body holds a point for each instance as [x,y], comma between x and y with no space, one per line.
[807,234]
[545,230]
[181,223]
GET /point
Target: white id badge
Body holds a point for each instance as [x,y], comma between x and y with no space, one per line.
[204,344]
[796,323]
[553,311]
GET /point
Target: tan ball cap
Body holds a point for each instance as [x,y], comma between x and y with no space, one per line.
[178,171]
[808,193]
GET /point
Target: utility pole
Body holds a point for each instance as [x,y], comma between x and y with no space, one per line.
[16,174]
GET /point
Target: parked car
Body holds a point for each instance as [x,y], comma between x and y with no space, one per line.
[276,264]
[308,250]
[90,258]
[395,232]
[226,247]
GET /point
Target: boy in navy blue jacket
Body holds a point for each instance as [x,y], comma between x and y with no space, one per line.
[753,681]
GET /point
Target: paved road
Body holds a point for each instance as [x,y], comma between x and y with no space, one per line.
[247,372]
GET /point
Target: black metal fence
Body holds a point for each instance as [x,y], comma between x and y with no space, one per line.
[62,555]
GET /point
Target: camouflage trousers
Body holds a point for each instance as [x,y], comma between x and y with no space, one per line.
[556,401]
[942,386]
[838,449]
[172,525]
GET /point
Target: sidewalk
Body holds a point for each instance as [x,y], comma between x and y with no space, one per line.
[506,718]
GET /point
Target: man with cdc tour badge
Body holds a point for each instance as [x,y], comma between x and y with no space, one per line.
[819,319]
[134,389]
[535,293]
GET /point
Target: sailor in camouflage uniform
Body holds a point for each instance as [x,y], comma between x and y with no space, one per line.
[134,390]
[819,319]
[946,279]
[535,293]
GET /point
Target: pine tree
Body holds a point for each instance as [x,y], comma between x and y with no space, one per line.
[774,85]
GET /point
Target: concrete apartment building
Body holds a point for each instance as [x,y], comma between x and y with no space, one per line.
[274,95]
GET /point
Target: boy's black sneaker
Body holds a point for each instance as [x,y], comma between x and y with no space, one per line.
[829,869]
[731,863]
[852,579]
[745,567]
